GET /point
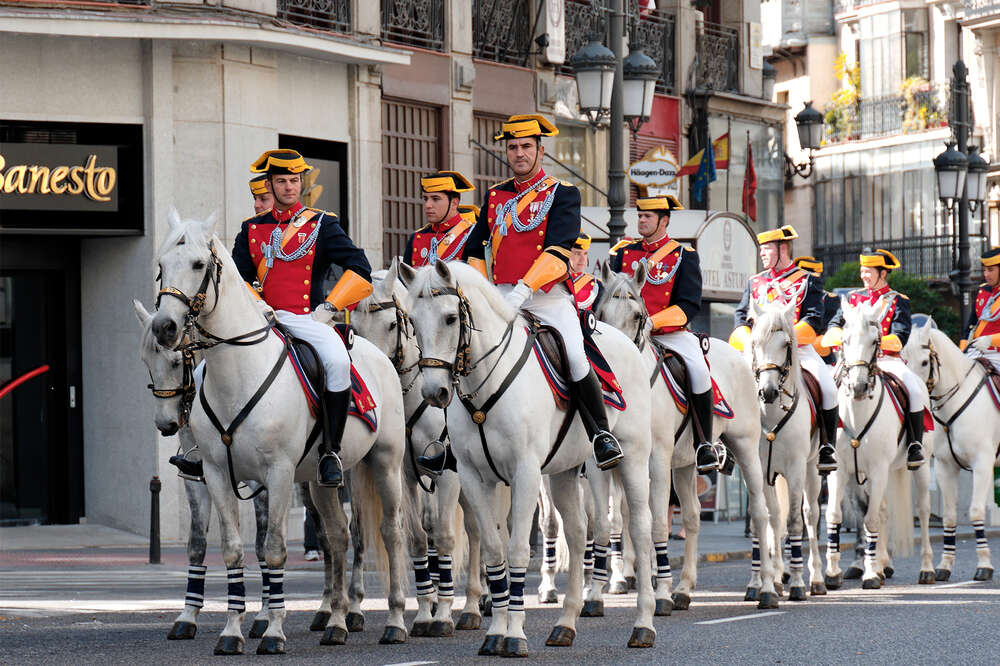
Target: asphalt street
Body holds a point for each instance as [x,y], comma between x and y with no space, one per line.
[112,610]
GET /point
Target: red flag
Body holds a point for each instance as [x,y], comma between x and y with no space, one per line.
[750,186]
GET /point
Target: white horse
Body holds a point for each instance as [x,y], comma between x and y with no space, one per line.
[382,319]
[623,307]
[790,445]
[970,437]
[503,421]
[241,352]
[871,463]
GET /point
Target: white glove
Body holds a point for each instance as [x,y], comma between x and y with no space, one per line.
[518,295]
[982,344]
[324,313]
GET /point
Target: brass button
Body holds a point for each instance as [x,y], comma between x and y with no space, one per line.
[305,310]
[310,251]
[305,282]
[538,247]
[493,194]
[541,233]
[493,205]
[308,267]
[253,226]
[305,296]
[313,225]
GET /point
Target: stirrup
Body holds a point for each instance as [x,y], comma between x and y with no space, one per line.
[437,463]
[705,468]
[187,469]
[726,461]
[610,442]
[915,463]
[319,470]
[825,467]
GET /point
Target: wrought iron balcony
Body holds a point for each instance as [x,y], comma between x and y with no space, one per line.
[501,30]
[332,15]
[843,6]
[655,34]
[719,58]
[975,9]
[923,107]
[414,23]
[927,256]
[582,21]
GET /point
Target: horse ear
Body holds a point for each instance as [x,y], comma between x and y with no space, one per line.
[392,274]
[406,273]
[441,268]
[639,279]
[208,226]
[173,218]
[606,272]
[753,314]
[845,305]
[140,312]
[788,312]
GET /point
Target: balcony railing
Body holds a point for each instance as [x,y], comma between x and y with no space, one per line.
[414,23]
[975,9]
[332,15]
[582,21]
[501,30]
[655,34]
[921,108]
[927,256]
[842,6]
[719,58]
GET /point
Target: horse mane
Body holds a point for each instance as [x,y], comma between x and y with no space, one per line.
[618,291]
[473,284]
[771,320]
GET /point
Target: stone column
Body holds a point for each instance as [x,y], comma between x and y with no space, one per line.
[459,29]
[365,177]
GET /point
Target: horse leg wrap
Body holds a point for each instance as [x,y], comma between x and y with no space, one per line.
[425,587]
[432,561]
[980,528]
[796,548]
[871,545]
[195,596]
[616,547]
[549,559]
[517,589]
[949,540]
[600,563]
[276,589]
[237,591]
[446,587]
[833,538]
[265,584]
[755,556]
[496,578]
[588,555]
[662,561]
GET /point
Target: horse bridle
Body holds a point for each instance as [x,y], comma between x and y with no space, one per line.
[186,390]
[871,364]
[402,333]
[639,338]
[462,365]
[783,371]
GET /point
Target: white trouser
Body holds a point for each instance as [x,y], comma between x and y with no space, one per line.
[810,360]
[685,344]
[916,389]
[558,310]
[992,356]
[326,341]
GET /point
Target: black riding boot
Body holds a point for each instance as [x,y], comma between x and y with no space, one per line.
[915,451]
[590,398]
[438,463]
[188,468]
[335,404]
[706,459]
[827,461]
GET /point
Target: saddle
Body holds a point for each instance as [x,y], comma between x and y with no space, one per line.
[993,378]
[813,394]
[675,374]
[901,401]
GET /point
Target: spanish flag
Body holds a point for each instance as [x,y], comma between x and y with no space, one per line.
[721,148]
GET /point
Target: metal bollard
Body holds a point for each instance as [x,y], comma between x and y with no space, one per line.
[154,521]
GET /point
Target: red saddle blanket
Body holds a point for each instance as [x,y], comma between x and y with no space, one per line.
[897,400]
[721,408]
[560,386]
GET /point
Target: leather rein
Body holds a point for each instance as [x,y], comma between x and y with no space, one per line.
[943,399]
[186,390]
[783,371]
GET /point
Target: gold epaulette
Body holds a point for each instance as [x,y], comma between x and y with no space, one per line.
[500,183]
[689,249]
[566,182]
[904,296]
[255,216]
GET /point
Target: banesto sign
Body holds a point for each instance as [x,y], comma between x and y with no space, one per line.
[41,176]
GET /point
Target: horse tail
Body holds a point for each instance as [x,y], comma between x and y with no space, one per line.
[367,507]
[899,523]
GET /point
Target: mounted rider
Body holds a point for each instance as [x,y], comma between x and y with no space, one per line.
[447,230]
[586,288]
[783,281]
[522,242]
[831,303]
[672,295]
[983,329]
[284,254]
[263,200]
[895,309]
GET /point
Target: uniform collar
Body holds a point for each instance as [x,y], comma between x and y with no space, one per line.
[521,187]
[780,274]
[656,245]
[441,227]
[281,218]
[877,293]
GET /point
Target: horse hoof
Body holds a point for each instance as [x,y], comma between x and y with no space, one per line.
[926,578]
[779,589]
[334,636]
[229,645]
[630,582]
[355,622]
[942,574]
[258,628]
[468,622]
[515,647]
[642,637]
[853,573]
[681,601]
[797,593]
[752,594]
[490,646]
[548,597]
[664,607]
[834,582]
[420,628]
[319,621]
[871,584]
[785,577]
[593,608]
[618,587]
[441,629]
[881,577]
[393,636]
[983,573]
[182,631]
[817,589]
[271,645]
[767,600]
[889,571]
[561,637]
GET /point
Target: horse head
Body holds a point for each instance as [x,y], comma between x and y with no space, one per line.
[168,374]
[862,336]
[383,320]
[773,348]
[189,269]
[621,305]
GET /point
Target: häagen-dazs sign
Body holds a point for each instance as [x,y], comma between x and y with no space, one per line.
[656,171]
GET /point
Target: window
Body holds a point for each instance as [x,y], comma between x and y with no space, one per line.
[915,40]
[491,163]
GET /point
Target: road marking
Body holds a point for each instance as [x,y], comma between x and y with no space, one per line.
[741,617]
[412,663]
[961,584]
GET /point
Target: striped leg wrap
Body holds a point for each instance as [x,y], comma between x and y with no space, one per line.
[549,558]
[616,547]
[496,577]
[833,538]
[755,556]
[276,589]
[871,544]
[588,556]
[662,561]
[980,527]
[949,541]
[237,590]
[517,589]
[788,547]
[446,587]
[195,596]
[265,584]
[796,549]
[425,587]
[600,563]
[432,561]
